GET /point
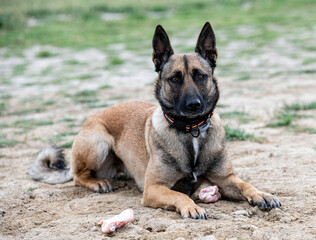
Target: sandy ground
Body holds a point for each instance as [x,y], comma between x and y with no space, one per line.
[284,164]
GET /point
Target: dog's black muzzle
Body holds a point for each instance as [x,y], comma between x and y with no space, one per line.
[192,107]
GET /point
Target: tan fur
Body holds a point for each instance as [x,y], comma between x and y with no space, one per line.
[119,129]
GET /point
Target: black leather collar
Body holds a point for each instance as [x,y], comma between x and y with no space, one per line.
[187,125]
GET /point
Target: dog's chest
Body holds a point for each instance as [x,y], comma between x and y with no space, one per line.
[201,158]
[196,150]
[193,167]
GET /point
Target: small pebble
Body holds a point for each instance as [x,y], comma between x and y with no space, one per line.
[94,229]
[249,227]
[209,237]
[2,212]
[257,234]
[285,219]
[239,213]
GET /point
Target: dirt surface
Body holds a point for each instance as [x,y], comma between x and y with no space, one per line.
[283,164]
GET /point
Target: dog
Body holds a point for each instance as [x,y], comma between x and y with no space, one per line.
[169,149]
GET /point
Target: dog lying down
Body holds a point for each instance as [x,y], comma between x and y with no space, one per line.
[170,149]
[207,195]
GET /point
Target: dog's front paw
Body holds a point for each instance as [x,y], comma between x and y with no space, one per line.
[192,211]
[264,200]
[102,186]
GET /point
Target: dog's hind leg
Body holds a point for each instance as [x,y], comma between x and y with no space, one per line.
[93,162]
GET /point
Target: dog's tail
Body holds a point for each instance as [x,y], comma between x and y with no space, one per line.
[50,166]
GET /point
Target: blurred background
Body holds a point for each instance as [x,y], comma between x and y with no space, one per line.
[60,58]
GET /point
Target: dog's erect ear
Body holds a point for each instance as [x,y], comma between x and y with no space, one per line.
[206,44]
[162,48]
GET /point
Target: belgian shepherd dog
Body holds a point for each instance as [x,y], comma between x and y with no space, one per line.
[169,149]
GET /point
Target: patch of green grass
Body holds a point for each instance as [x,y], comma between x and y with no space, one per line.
[56,81]
[309,61]
[86,96]
[65,93]
[237,92]
[29,84]
[4,142]
[115,61]
[5,96]
[288,113]
[299,129]
[86,93]
[72,62]
[41,13]
[106,86]
[86,76]
[4,125]
[114,9]
[300,106]
[242,117]
[19,69]
[310,48]
[29,123]
[235,134]
[226,69]
[30,100]
[46,71]
[68,133]
[49,102]
[3,106]
[136,28]
[59,137]
[21,131]
[243,76]
[55,139]
[11,21]
[305,71]
[308,130]
[31,189]
[282,119]
[73,125]
[86,100]
[67,145]
[27,111]
[5,81]
[158,8]
[45,54]
[222,105]
[117,97]
[99,105]
[67,119]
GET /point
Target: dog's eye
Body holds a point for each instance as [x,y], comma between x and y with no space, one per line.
[175,79]
[200,76]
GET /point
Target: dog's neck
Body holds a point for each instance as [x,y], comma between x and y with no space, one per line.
[195,126]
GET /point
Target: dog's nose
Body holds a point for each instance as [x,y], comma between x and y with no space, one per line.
[193,104]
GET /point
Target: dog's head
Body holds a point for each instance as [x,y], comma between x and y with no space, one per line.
[186,86]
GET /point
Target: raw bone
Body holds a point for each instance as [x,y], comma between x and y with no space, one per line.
[209,194]
[111,224]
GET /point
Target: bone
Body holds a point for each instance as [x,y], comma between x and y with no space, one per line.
[111,224]
[209,194]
